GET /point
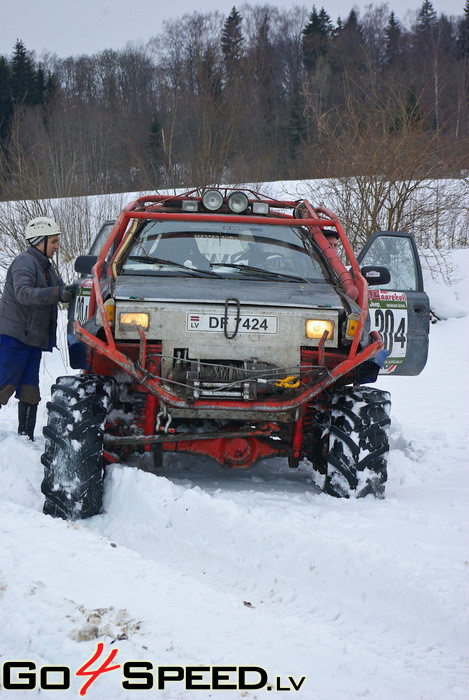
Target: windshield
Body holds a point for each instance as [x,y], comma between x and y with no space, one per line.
[223,250]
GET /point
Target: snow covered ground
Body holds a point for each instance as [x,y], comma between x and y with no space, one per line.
[204,567]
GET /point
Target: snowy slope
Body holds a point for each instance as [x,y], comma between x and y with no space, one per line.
[199,566]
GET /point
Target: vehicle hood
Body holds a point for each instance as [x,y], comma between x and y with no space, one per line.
[213,291]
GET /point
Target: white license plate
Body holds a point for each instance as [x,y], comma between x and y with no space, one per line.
[216,322]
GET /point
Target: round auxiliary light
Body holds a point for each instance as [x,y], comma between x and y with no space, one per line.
[238,202]
[298,211]
[212,200]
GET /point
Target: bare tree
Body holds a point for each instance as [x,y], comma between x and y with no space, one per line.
[387,157]
[79,218]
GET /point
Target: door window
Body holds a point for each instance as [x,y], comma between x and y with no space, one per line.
[101,238]
[397,254]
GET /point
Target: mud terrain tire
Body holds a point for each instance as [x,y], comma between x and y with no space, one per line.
[358,443]
[73,455]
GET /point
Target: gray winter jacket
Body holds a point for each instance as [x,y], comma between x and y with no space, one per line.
[28,307]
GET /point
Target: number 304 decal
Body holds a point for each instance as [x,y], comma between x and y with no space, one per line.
[388,316]
[395,339]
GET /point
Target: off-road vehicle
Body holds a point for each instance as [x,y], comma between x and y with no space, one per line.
[222,323]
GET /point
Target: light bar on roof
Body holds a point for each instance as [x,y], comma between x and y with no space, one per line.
[238,202]
[298,211]
[260,208]
[212,200]
[190,205]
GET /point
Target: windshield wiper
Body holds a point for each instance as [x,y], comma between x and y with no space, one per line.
[150,260]
[269,273]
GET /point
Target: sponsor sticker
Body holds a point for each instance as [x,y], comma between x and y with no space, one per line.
[388,316]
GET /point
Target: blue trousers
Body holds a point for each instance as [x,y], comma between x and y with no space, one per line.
[19,370]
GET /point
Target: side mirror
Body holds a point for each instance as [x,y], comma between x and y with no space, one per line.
[376,275]
[85,263]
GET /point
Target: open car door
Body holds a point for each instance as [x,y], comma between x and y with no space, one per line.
[399,309]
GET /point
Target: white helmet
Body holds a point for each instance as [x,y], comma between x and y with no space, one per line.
[39,228]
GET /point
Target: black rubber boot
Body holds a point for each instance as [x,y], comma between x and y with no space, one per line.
[27,419]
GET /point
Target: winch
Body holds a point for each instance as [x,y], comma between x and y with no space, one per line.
[227,379]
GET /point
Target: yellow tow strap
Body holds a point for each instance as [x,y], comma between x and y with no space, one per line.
[288,383]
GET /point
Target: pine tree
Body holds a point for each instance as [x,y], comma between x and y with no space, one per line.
[347,54]
[426,23]
[232,41]
[325,22]
[351,23]
[23,76]
[6,104]
[426,16]
[316,36]
[39,92]
[393,37]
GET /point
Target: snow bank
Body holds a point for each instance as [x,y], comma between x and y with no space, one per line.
[449,298]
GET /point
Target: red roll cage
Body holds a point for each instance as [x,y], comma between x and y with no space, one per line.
[162,207]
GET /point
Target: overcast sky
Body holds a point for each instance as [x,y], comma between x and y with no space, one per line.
[74,27]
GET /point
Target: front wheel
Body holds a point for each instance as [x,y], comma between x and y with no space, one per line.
[73,455]
[358,443]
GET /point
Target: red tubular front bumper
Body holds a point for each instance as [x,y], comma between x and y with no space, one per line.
[165,396]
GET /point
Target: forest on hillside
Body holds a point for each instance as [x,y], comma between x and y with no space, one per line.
[260,94]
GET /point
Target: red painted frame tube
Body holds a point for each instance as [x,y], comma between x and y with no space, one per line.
[315,223]
[359,280]
[109,457]
[150,417]
[298,434]
[142,351]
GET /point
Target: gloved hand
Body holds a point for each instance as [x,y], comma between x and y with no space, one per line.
[67,292]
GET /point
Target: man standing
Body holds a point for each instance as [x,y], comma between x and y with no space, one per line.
[28,319]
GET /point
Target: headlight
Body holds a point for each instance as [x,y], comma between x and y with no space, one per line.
[238,202]
[260,208]
[190,205]
[315,328]
[129,321]
[212,200]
